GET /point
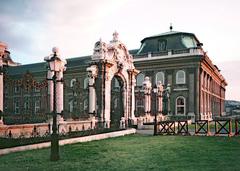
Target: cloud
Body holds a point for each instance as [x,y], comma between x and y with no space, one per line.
[32,28]
[230,71]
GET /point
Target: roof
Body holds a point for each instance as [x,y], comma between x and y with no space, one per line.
[79,61]
[41,67]
[167,34]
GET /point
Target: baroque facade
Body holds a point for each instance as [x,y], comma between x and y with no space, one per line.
[195,85]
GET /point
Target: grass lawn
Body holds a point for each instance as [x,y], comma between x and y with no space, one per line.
[134,152]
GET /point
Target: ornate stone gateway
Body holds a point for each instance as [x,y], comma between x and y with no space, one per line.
[110,61]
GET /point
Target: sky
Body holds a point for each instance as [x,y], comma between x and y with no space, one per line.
[32,28]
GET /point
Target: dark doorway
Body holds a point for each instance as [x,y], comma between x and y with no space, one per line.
[116,101]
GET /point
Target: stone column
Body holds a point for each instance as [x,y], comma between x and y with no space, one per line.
[59,95]
[147,86]
[3,47]
[107,103]
[159,98]
[92,74]
[50,89]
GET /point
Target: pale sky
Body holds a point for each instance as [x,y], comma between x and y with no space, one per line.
[32,28]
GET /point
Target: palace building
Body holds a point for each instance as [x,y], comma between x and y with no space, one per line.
[195,85]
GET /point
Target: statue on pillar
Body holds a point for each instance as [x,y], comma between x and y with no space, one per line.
[160,98]
[147,86]
[168,92]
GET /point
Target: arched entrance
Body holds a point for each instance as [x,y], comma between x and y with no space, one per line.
[110,62]
[117,110]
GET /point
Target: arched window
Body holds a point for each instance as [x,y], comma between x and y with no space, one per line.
[140,79]
[85,86]
[180,105]
[160,77]
[72,82]
[180,77]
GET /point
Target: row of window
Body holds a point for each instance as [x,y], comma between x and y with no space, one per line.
[180,105]
[160,76]
[27,106]
[73,103]
[17,89]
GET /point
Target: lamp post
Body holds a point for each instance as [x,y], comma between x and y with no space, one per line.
[54,138]
[57,66]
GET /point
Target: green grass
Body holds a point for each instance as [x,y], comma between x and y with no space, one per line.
[134,152]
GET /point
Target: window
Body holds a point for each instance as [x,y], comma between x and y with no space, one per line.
[71,106]
[180,77]
[36,89]
[17,89]
[160,77]
[140,79]
[72,82]
[180,105]
[85,86]
[16,107]
[162,45]
[37,106]
[189,42]
[26,105]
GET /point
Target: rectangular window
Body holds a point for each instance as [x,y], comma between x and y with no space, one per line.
[37,106]
[17,89]
[16,107]
[26,105]
[36,89]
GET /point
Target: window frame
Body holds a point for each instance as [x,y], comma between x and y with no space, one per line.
[72,82]
[177,106]
[140,74]
[177,77]
[163,74]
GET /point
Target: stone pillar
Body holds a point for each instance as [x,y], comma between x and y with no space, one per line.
[50,89]
[92,74]
[107,103]
[133,84]
[59,92]
[159,98]
[147,86]
[132,74]
[3,47]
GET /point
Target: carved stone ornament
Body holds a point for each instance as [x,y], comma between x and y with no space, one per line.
[92,71]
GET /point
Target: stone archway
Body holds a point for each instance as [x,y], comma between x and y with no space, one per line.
[109,60]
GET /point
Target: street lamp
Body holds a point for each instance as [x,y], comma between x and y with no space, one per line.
[56,65]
